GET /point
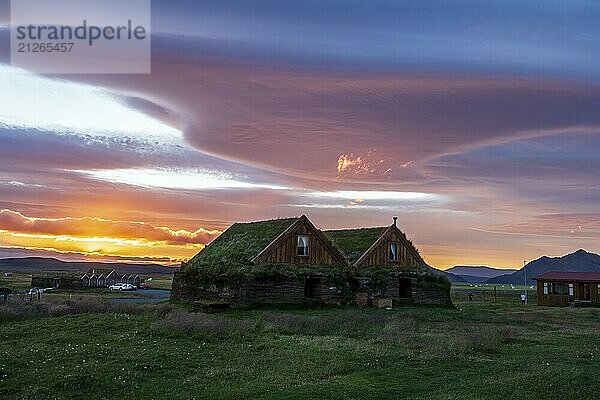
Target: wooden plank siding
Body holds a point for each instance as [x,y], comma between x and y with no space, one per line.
[284,248]
[558,300]
[378,253]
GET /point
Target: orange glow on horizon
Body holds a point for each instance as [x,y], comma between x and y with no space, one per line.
[106,239]
[101,246]
[98,237]
[441,258]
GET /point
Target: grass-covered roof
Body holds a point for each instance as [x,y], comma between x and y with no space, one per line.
[240,243]
[354,242]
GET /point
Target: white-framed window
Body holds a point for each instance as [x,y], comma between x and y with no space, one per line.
[393,251]
[545,287]
[571,289]
[302,249]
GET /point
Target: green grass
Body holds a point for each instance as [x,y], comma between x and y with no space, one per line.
[161,282]
[93,293]
[17,281]
[354,242]
[240,243]
[500,287]
[485,293]
[475,351]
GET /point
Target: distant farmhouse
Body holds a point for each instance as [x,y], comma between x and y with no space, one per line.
[93,278]
[291,261]
[563,288]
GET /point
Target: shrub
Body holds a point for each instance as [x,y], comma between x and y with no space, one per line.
[15,309]
[430,281]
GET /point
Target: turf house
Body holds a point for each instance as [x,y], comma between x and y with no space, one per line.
[289,260]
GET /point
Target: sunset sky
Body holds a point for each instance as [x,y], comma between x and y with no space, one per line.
[477,123]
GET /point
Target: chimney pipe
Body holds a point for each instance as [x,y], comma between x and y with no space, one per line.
[395,219]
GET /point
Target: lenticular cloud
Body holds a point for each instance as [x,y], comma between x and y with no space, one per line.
[32,101]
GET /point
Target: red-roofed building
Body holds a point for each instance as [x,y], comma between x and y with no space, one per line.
[563,288]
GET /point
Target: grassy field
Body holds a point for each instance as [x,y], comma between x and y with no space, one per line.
[23,281]
[91,348]
[505,293]
[17,281]
[161,282]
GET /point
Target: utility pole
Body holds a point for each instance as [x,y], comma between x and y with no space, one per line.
[525,271]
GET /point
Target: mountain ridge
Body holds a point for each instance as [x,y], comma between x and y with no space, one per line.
[578,261]
[50,264]
[477,273]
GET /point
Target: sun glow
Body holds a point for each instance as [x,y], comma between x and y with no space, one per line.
[104,237]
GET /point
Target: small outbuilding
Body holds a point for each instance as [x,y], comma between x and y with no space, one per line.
[57,280]
[98,277]
[93,278]
[564,288]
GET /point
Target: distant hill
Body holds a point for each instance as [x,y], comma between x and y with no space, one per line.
[42,264]
[455,278]
[451,277]
[475,271]
[579,261]
[471,278]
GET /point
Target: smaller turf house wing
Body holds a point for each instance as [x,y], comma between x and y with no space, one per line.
[392,250]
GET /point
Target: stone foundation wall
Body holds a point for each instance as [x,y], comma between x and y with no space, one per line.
[284,291]
[392,289]
[292,291]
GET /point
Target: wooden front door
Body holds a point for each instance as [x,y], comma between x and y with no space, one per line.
[585,291]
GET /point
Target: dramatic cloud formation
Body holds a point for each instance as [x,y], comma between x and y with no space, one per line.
[477,123]
[349,166]
[581,225]
[31,101]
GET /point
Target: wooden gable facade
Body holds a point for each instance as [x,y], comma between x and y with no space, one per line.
[391,250]
[290,247]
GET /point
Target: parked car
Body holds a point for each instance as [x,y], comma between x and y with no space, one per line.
[144,285]
[122,286]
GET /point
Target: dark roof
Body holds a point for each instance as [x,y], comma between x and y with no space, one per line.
[100,271]
[58,274]
[352,243]
[569,276]
[241,242]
